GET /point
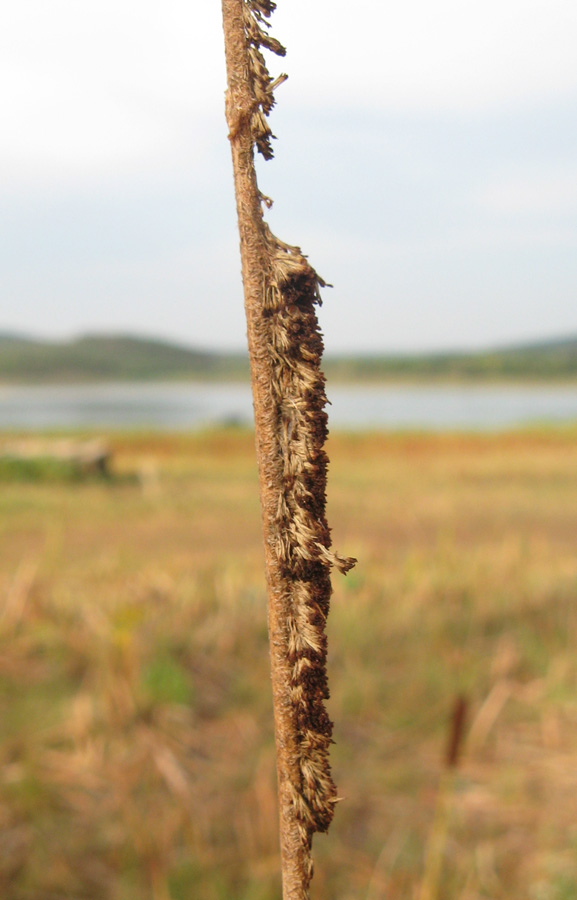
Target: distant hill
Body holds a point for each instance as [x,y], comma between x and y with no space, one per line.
[125,357]
[111,358]
[546,361]
[9,338]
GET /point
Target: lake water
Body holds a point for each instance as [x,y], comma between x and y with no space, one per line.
[183,406]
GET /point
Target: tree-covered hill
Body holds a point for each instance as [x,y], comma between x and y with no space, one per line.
[547,361]
[111,357]
[126,357]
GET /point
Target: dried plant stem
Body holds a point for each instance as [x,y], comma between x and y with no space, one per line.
[281,290]
[437,840]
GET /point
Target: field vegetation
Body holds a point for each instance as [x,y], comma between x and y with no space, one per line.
[136,744]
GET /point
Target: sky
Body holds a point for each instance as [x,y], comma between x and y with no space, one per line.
[426,163]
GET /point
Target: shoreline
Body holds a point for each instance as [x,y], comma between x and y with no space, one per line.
[423,381]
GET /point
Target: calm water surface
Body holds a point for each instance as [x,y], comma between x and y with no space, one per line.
[182,406]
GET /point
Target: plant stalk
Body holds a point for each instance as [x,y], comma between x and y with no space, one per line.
[254,258]
[280,291]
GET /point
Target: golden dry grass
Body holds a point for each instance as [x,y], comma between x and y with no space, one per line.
[136,749]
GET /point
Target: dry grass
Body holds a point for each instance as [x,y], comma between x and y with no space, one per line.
[136,750]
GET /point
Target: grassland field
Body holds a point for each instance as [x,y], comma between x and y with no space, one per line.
[136,744]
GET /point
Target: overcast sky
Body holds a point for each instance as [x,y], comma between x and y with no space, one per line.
[426,162]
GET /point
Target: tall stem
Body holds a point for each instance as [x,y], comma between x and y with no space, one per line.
[280,291]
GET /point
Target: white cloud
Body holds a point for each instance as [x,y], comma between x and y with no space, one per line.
[113,149]
[95,84]
[419,55]
[535,193]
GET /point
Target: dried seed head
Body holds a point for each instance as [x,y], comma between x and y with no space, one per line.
[302,538]
[262,84]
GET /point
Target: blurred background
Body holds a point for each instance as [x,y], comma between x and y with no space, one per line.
[426,164]
[425,161]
